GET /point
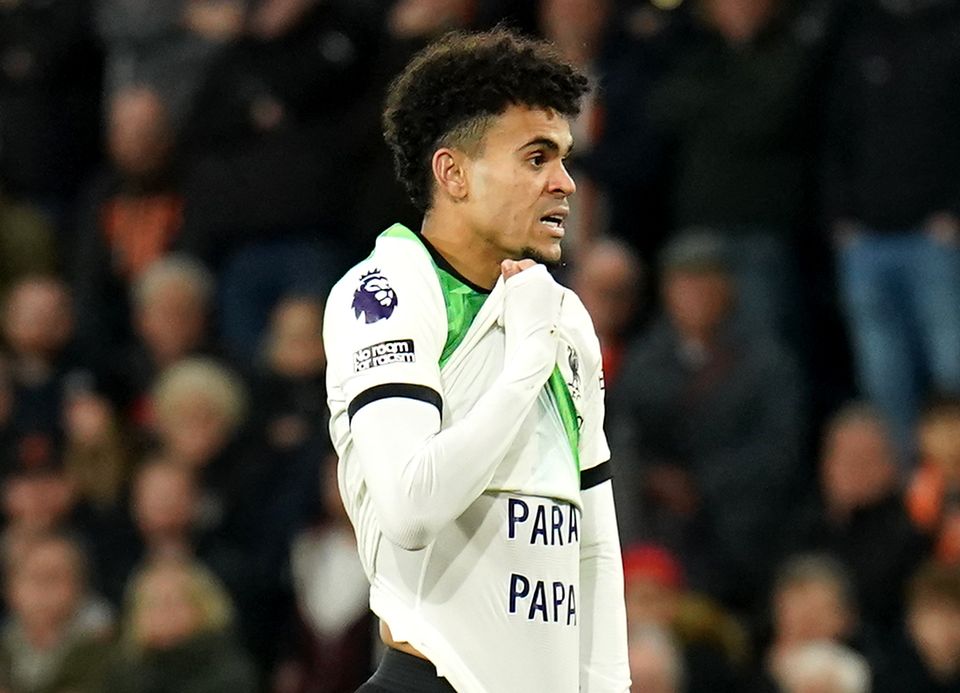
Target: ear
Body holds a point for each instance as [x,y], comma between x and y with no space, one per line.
[448,171]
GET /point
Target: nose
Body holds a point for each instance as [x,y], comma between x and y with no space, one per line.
[561,182]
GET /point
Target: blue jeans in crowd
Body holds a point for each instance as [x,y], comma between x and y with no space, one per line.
[901,294]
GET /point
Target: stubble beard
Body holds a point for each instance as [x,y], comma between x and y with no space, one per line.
[537,256]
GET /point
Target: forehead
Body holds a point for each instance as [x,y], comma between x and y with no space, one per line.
[519,125]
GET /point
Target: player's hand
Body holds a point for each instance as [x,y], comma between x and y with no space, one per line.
[531,315]
[510,268]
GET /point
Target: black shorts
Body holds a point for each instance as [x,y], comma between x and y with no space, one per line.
[400,672]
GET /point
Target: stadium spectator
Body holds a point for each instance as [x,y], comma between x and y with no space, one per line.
[165,45]
[172,303]
[273,141]
[934,493]
[927,659]
[812,601]
[609,280]
[58,635]
[38,328]
[201,421]
[859,515]
[178,635]
[656,665]
[706,422]
[291,419]
[334,648]
[130,215]
[712,645]
[891,174]
[736,109]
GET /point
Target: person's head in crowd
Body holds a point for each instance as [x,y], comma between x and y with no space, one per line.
[653,582]
[697,285]
[933,619]
[164,501]
[575,27]
[38,497]
[939,434]
[46,586]
[423,19]
[38,319]
[858,466]
[656,661]
[198,406]
[171,303]
[812,600]
[140,138]
[739,21]
[173,600]
[823,667]
[608,278]
[294,340]
[95,456]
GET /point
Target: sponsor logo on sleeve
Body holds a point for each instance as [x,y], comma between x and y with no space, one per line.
[383,354]
[375,299]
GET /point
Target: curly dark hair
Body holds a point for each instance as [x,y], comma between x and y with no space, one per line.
[448,93]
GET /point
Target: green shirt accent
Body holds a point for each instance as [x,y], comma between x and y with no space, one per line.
[567,410]
[463,303]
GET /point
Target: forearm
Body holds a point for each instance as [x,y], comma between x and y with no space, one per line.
[420,477]
[604,666]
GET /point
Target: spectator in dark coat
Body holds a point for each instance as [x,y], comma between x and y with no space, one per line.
[707,423]
[859,514]
[736,110]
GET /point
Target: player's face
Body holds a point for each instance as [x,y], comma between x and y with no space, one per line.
[518,185]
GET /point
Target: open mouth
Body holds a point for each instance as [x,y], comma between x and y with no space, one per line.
[553,221]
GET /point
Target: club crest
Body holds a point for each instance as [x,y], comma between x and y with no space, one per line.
[573,360]
[374,298]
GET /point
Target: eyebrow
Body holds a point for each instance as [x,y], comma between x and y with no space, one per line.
[546,143]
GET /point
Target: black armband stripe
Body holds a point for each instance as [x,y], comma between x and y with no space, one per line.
[407,390]
[595,475]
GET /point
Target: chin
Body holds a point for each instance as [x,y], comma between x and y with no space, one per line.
[551,257]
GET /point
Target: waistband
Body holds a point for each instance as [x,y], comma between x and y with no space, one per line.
[404,673]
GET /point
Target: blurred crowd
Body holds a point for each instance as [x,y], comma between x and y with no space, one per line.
[766,234]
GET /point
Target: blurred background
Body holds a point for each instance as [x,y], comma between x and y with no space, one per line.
[766,234]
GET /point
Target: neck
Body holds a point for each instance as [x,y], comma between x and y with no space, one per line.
[475,259]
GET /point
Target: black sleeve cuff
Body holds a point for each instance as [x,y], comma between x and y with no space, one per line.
[407,390]
[595,475]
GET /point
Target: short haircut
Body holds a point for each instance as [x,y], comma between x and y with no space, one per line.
[204,378]
[178,269]
[448,93]
[816,567]
[204,590]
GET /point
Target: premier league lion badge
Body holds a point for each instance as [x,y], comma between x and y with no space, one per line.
[375,298]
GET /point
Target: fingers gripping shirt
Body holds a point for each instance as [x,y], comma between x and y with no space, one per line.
[475,536]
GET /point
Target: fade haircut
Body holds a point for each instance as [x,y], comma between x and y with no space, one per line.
[451,90]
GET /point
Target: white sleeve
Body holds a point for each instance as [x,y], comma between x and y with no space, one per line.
[422,476]
[604,666]
[594,449]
